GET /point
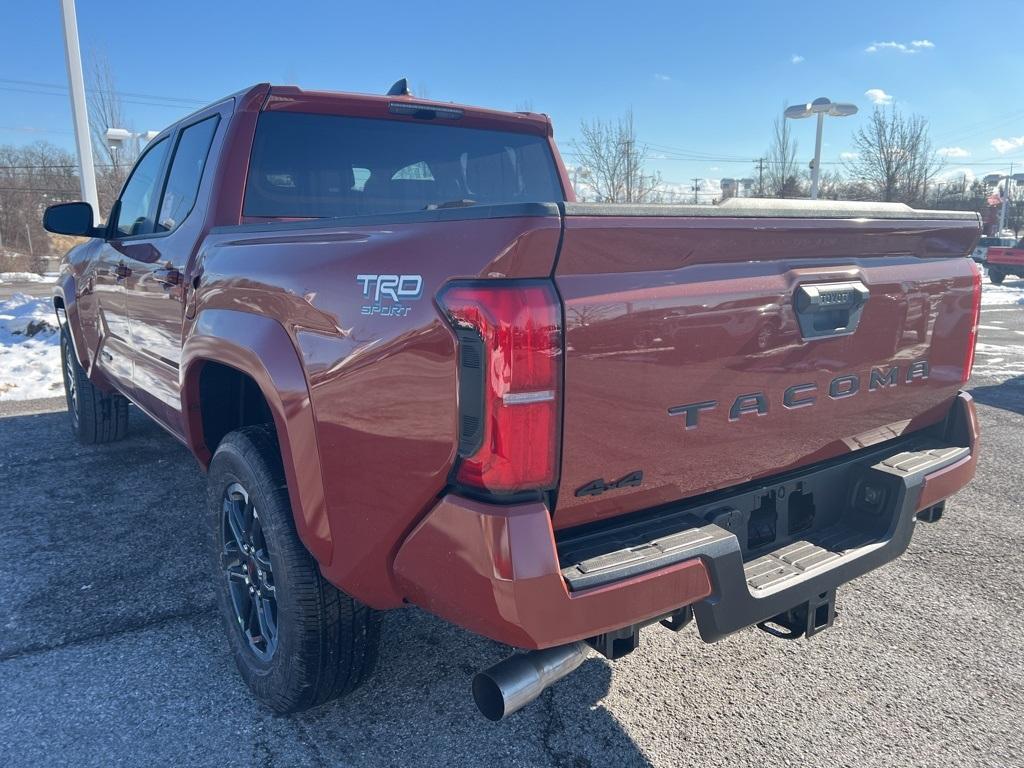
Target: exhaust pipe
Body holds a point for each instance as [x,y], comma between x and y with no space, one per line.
[511,684]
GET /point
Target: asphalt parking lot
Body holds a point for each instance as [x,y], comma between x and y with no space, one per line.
[110,652]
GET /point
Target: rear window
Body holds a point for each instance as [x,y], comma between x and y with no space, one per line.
[315,166]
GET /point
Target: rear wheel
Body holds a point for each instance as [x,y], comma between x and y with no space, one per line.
[297,640]
[996,276]
[96,416]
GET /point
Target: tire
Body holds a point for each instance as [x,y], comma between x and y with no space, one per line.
[96,417]
[297,640]
[996,276]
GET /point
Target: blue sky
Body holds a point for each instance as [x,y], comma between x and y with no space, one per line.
[704,80]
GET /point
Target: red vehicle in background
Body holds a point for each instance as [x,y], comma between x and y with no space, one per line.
[1003,261]
[416,371]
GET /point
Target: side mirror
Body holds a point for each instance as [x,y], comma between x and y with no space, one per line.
[71,219]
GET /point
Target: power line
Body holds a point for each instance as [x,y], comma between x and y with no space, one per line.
[140,100]
[62,89]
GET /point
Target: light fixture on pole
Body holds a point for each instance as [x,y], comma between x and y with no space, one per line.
[819,107]
[117,137]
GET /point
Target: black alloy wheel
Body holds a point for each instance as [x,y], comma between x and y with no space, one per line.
[245,560]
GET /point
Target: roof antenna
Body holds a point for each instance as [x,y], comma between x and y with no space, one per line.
[400,88]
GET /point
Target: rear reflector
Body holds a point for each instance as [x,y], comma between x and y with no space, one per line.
[972,338]
[510,381]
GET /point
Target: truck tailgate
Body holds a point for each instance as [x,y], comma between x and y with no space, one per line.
[710,347]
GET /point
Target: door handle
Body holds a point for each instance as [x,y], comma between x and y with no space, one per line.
[167,276]
[829,309]
[122,271]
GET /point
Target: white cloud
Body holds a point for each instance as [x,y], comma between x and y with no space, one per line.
[878,96]
[796,58]
[956,175]
[663,78]
[953,152]
[847,155]
[1002,146]
[891,45]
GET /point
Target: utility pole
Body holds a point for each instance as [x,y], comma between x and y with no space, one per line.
[760,176]
[79,113]
[696,187]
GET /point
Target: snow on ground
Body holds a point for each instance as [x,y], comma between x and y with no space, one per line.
[29,349]
[1010,292]
[27,277]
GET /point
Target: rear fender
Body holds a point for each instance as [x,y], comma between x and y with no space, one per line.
[262,349]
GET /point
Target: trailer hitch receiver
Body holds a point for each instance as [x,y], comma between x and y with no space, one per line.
[805,620]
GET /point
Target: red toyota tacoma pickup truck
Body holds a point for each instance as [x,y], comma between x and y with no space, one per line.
[416,371]
[1003,261]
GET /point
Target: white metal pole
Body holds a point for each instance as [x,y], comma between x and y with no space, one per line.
[76,84]
[817,157]
[1006,200]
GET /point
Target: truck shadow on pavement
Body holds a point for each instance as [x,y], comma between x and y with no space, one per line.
[1008,395]
[111,651]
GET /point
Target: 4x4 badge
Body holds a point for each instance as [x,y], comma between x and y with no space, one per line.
[599,486]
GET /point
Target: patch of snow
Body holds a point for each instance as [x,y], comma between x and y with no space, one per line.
[29,349]
[1007,293]
[27,277]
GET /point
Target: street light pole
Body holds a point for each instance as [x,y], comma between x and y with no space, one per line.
[79,113]
[816,170]
[819,107]
[1006,200]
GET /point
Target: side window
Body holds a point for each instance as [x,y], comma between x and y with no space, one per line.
[139,196]
[185,174]
[416,172]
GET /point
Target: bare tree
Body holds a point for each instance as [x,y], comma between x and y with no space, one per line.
[611,162]
[782,171]
[107,111]
[832,186]
[895,156]
[31,178]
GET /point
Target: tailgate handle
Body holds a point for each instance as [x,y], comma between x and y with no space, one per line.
[829,309]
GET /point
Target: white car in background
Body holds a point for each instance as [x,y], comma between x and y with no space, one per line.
[999,241]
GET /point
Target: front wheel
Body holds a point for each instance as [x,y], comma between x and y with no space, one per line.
[297,640]
[96,416]
[996,276]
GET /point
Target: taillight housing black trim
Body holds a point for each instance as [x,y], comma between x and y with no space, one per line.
[510,348]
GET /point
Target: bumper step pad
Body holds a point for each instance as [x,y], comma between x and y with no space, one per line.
[801,557]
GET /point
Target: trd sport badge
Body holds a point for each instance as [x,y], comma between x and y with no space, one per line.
[387,292]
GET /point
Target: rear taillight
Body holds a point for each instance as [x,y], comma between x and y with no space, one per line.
[972,338]
[510,381]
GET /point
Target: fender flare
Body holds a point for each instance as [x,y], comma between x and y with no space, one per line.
[65,289]
[260,347]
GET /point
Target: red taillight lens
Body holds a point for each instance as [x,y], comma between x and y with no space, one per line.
[510,382]
[972,338]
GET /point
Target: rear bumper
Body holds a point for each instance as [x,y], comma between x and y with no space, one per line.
[498,570]
[1004,264]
